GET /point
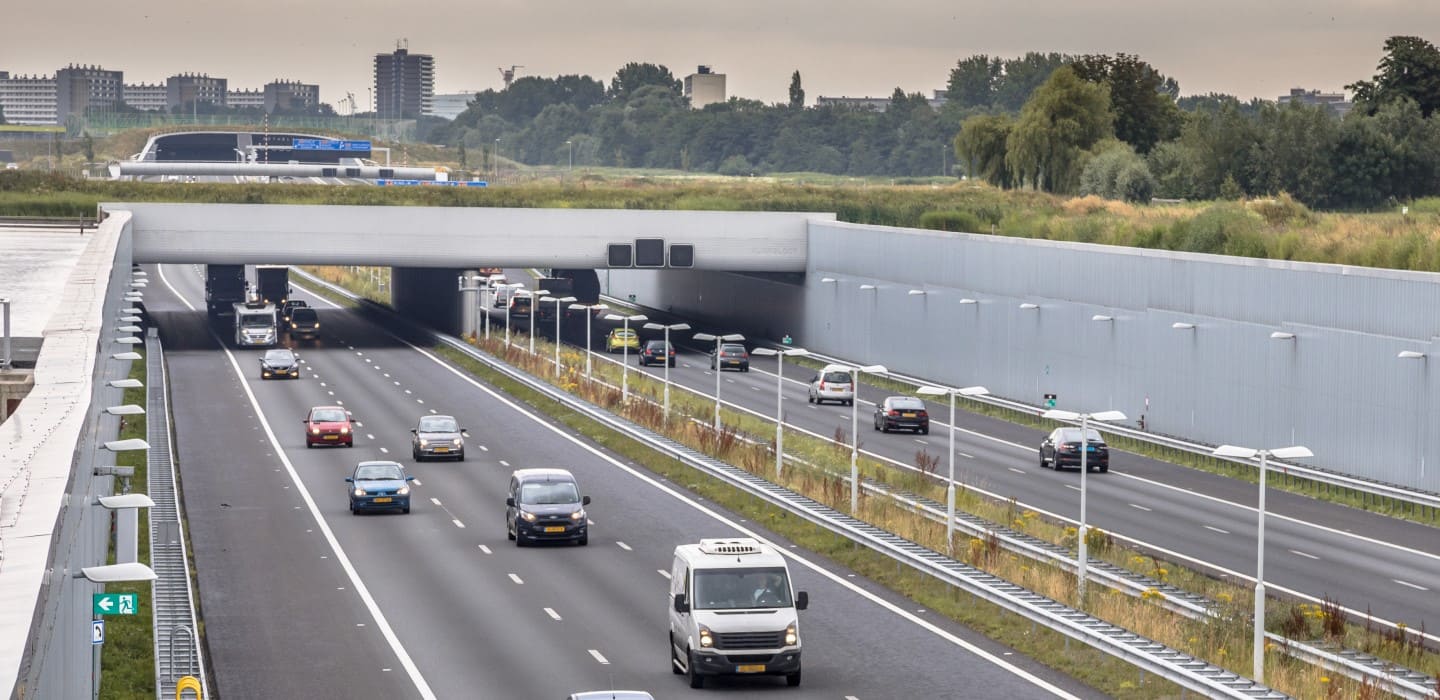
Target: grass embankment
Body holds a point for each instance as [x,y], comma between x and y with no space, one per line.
[1277,228]
[128,657]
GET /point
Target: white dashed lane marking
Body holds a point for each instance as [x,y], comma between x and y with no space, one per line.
[1299,553]
[1147,510]
[599,658]
[503,463]
[1410,585]
[1068,486]
[553,615]
[483,448]
[518,581]
[436,501]
[369,436]
[1216,529]
[624,546]
[663,572]
[458,524]
[485,549]
[385,451]
[1017,471]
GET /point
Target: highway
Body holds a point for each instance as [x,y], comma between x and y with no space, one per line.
[300,598]
[1362,560]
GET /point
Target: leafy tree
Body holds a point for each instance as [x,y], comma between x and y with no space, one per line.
[1409,70]
[1217,145]
[1063,119]
[1393,154]
[1294,149]
[1134,183]
[797,93]
[973,81]
[980,145]
[1022,76]
[461,156]
[1141,99]
[88,144]
[633,76]
[736,165]
[2,116]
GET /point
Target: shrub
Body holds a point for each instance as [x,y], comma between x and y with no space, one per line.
[958,221]
[736,165]
[1211,230]
[1282,210]
[1134,183]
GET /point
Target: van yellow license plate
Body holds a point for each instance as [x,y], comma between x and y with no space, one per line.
[555,528]
[750,668]
[383,499]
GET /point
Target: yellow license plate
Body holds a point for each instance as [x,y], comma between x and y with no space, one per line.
[750,668]
[383,499]
[555,528]
[332,437]
[908,415]
[442,449]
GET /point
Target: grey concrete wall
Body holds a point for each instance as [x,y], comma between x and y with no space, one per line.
[457,236]
[1337,387]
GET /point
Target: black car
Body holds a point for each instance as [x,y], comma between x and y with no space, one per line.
[304,323]
[546,505]
[288,306]
[731,356]
[520,306]
[1062,446]
[279,363]
[898,412]
[655,352]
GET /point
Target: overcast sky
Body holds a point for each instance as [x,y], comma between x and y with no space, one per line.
[841,47]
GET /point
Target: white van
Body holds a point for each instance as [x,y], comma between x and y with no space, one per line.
[733,612]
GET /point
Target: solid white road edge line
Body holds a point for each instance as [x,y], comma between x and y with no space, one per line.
[839,580]
[379,617]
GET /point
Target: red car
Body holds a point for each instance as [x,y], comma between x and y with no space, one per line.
[329,425]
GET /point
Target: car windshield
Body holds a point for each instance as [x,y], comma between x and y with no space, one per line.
[543,493]
[729,589]
[521,301]
[622,333]
[906,404]
[279,356]
[1073,435]
[732,349]
[328,415]
[378,472]
[656,345]
[303,315]
[438,424]
[838,377]
[257,321]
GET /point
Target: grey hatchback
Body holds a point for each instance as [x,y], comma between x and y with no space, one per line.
[437,436]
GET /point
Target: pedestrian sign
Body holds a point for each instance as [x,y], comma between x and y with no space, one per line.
[114,603]
[1049,401]
[786,340]
[97,632]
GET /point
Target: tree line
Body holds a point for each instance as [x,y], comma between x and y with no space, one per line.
[1114,126]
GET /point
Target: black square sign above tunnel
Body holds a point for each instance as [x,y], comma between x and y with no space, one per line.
[682,255]
[649,252]
[620,255]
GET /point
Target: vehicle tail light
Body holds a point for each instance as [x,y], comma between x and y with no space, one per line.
[822,385]
[745,355]
[924,414]
[893,412]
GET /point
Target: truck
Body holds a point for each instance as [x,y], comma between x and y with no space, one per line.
[272,283]
[558,288]
[255,324]
[225,286]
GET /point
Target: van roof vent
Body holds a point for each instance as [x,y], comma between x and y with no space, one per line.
[738,545]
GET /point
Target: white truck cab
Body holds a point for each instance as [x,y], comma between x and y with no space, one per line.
[733,611]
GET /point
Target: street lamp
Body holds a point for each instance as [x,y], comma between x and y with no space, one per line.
[625,351]
[513,287]
[1295,452]
[855,431]
[589,310]
[950,483]
[1084,418]
[917,293]
[665,361]
[571,144]
[1102,318]
[497,159]
[780,397]
[1281,335]
[1179,326]
[1027,306]
[533,294]
[727,338]
[557,301]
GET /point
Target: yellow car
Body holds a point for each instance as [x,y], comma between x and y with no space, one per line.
[620,338]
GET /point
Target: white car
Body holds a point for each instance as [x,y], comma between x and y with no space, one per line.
[612,695]
[833,383]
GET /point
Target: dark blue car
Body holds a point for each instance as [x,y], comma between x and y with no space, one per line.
[379,486]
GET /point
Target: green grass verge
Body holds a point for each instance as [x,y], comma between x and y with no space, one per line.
[127,661]
[1107,674]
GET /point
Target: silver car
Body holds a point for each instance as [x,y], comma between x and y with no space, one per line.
[612,695]
[438,436]
[832,384]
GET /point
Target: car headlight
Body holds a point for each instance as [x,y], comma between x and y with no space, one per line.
[359,491]
[404,491]
[314,431]
[792,637]
[459,442]
[317,324]
[706,640]
[424,442]
[578,515]
[527,516]
[266,373]
[344,430]
[292,325]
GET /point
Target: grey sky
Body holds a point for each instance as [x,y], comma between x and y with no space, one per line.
[841,47]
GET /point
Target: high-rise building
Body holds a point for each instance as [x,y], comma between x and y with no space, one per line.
[185,89]
[145,97]
[704,87]
[404,84]
[290,95]
[81,88]
[28,99]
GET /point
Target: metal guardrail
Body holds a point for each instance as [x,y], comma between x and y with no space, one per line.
[1150,656]
[177,647]
[51,222]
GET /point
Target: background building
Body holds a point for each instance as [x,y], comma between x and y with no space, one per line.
[81,88]
[704,87]
[28,99]
[185,89]
[145,97]
[450,105]
[404,84]
[245,99]
[291,95]
[1334,100]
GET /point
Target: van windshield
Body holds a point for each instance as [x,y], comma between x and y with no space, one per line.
[257,321]
[732,589]
[548,493]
